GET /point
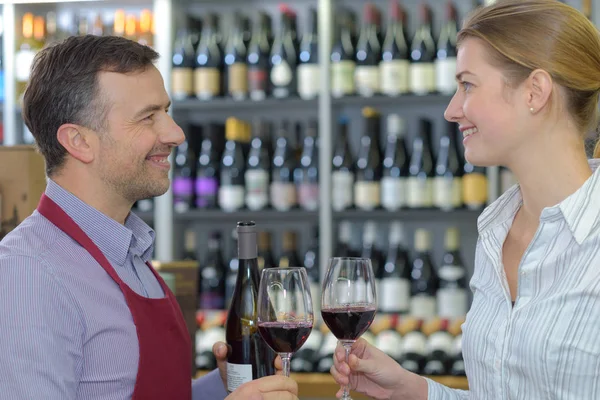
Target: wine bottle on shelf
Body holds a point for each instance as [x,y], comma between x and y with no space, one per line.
[342,176]
[231,191]
[445,63]
[371,251]
[306,174]
[311,264]
[394,296]
[209,61]
[249,356]
[258,59]
[367,189]
[422,69]
[236,69]
[283,189]
[258,170]
[304,360]
[265,255]
[207,173]
[309,79]
[425,282]
[414,345]
[395,59]
[284,58]
[182,74]
[246,25]
[289,256]
[396,164]
[457,364]
[388,339]
[343,62]
[475,186]
[184,175]
[422,169]
[344,248]
[368,55]
[325,356]
[447,184]
[440,346]
[452,294]
[211,283]
[189,245]
[232,269]
[195,29]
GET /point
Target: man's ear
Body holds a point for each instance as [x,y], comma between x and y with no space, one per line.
[78,141]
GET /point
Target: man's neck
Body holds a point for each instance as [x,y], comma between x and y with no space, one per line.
[96,195]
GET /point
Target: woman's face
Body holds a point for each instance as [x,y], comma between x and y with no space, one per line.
[492,117]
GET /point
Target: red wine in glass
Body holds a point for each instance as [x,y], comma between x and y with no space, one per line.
[348,323]
[285,337]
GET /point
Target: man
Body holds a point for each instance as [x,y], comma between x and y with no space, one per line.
[82,313]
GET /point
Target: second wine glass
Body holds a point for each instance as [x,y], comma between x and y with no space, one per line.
[285,312]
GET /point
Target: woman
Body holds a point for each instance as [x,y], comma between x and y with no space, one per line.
[529,80]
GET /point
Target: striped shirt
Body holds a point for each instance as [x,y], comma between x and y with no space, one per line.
[66,331]
[548,345]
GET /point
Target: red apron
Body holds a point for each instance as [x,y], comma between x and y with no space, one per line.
[164,370]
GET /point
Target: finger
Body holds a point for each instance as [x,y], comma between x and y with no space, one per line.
[339,377]
[277,383]
[220,351]
[339,393]
[364,366]
[279,396]
[278,363]
[340,354]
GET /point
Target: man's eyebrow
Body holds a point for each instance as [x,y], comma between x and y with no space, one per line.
[150,108]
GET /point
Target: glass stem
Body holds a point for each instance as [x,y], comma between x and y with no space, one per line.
[285,362]
[347,347]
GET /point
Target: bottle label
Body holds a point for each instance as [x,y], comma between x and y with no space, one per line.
[309,81]
[393,193]
[367,80]
[182,83]
[231,198]
[447,192]
[422,78]
[390,342]
[207,83]
[475,190]
[206,191]
[342,78]
[367,195]
[419,192]
[414,342]
[283,196]
[440,341]
[342,185]
[423,306]
[395,295]
[394,77]
[308,196]
[281,74]
[257,189]
[452,302]
[237,80]
[257,83]
[445,71]
[237,375]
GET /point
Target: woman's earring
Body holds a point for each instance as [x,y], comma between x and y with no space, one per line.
[531,109]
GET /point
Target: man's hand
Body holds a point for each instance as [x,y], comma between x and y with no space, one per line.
[268,388]
[220,352]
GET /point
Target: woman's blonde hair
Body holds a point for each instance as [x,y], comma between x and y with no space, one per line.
[524,35]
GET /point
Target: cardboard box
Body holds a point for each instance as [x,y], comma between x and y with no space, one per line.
[22,182]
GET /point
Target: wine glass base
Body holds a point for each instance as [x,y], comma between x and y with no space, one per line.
[346,397]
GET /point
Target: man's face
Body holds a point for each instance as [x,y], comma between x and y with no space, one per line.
[133,152]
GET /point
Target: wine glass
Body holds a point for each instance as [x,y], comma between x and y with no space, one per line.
[285,312]
[348,301]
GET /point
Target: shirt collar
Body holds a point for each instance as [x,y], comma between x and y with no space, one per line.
[113,239]
[581,209]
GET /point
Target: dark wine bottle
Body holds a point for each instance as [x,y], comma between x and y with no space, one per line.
[209,61]
[395,275]
[396,164]
[283,189]
[343,62]
[395,58]
[249,356]
[344,248]
[367,189]
[440,346]
[309,76]
[342,176]
[422,169]
[447,184]
[232,269]
[184,175]
[445,63]
[233,165]
[457,367]
[289,256]
[388,339]
[452,294]
[207,174]
[258,59]
[311,264]
[414,345]
[368,55]
[371,251]
[306,174]
[425,282]
[236,69]
[258,170]
[475,186]
[182,74]
[265,254]
[284,57]
[422,69]
[211,276]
